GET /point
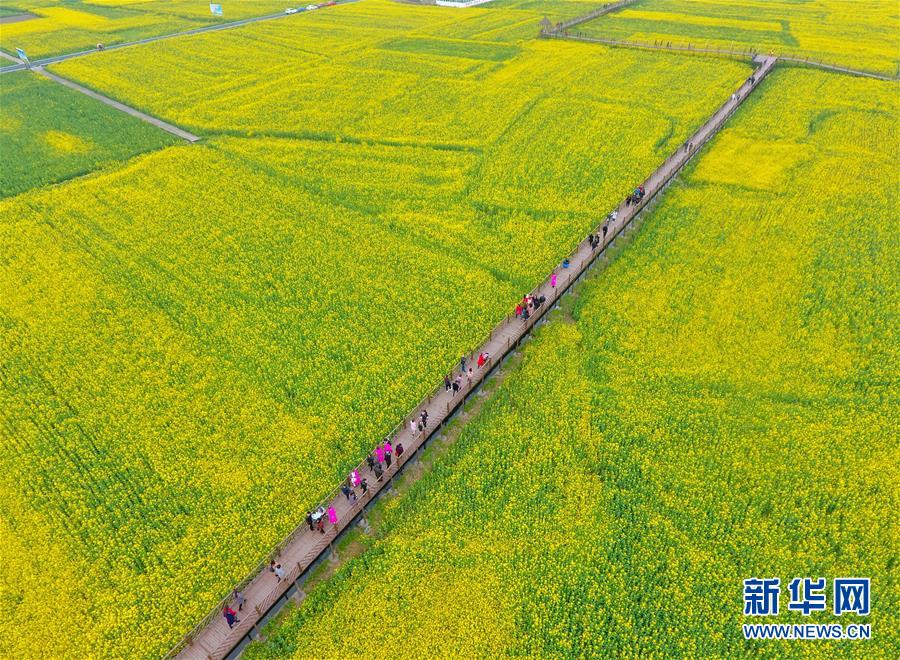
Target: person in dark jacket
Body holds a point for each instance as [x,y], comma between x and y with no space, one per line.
[230,616]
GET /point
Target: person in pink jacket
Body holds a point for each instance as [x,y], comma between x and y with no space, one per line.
[388,450]
[553,280]
[332,515]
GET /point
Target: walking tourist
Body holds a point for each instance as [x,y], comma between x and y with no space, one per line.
[279,572]
[238,599]
[318,517]
[230,616]
[399,449]
[309,520]
[332,515]
[447,383]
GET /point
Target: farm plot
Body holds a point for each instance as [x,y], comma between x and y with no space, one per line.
[849,33]
[65,27]
[719,403]
[199,344]
[49,133]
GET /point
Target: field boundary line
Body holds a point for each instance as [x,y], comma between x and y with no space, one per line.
[121,107]
[161,37]
[211,638]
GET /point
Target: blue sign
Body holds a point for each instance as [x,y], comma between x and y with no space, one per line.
[215,9]
[22,55]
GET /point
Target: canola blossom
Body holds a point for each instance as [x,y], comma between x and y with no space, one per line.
[850,33]
[719,403]
[58,27]
[198,344]
[385,73]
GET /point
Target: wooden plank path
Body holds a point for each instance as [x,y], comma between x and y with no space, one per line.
[591,15]
[211,638]
[561,32]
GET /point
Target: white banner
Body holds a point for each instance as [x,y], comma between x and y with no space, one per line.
[470,3]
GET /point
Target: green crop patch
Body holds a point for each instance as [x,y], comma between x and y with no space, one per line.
[49,133]
[472,50]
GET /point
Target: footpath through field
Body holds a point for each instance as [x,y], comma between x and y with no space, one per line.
[127,109]
[38,67]
[212,638]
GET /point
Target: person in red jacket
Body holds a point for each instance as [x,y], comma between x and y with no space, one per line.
[230,616]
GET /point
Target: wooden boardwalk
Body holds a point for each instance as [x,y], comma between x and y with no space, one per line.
[562,33]
[590,16]
[211,638]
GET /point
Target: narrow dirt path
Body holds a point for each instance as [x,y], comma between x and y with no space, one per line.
[127,109]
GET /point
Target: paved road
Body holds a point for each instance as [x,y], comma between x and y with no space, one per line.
[159,123]
[207,28]
[212,638]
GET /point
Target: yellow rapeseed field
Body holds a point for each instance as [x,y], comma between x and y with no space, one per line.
[860,34]
[198,344]
[60,27]
[719,403]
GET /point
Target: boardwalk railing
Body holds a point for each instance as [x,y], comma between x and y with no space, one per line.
[706,49]
[584,18]
[211,638]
